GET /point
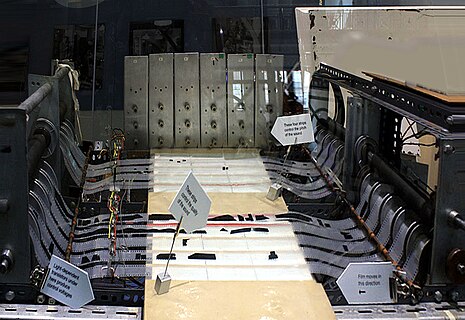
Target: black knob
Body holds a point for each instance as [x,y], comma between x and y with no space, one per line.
[6,261]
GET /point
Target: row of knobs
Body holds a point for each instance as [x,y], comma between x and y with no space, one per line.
[187,123]
[213,107]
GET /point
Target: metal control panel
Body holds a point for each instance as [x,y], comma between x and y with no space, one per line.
[213,129]
[136,102]
[161,115]
[241,100]
[186,100]
[268,96]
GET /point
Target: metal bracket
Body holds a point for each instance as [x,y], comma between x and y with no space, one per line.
[38,276]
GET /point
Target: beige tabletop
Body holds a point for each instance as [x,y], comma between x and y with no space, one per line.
[224,203]
[225,300]
[260,300]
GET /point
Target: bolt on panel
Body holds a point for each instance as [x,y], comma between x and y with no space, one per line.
[187,101]
[241,100]
[136,102]
[268,96]
[161,110]
[213,129]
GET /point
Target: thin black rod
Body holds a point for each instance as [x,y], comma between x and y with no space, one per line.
[172,245]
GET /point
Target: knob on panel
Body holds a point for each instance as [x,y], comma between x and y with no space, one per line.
[455,266]
[6,261]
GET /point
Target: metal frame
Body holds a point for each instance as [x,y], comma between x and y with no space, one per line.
[161,115]
[241,110]
[425,311]
[213,128]
[268,96]
[433,115]
[136,102]
[186,100]
[56,312]
[18,125]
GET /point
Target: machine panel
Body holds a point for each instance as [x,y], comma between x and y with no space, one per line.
[161,115]
[136,102]
[186,98]
[241,100]
[268,96]
[213,100]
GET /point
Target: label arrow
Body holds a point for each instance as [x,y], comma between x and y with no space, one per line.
[67,283]
[192,204]
[290,130]
[366,282]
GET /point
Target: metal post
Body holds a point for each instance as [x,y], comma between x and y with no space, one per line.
[94,67]
[172,245]
[262,19]
[36,98]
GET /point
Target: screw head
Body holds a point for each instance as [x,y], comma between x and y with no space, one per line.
[10,295]
[461,268]
[449,149]
[40,299]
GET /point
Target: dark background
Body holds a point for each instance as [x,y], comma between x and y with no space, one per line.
[30,36]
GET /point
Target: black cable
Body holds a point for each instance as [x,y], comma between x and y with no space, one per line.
[115,130]
[420,144]
[418,135]
[135,281]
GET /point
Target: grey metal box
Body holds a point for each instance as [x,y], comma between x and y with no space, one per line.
[241,100]
[136,102]
[213,128]
[268,96]
[186,100]
[162,283]
[161,111]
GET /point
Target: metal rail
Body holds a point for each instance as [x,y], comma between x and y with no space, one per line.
[436,115]
[36,98]
[371,234]
[69,247]
[40,94]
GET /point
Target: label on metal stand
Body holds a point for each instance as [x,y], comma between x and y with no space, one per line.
[367,282]
[192,204]
[67,284]
[291,130]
